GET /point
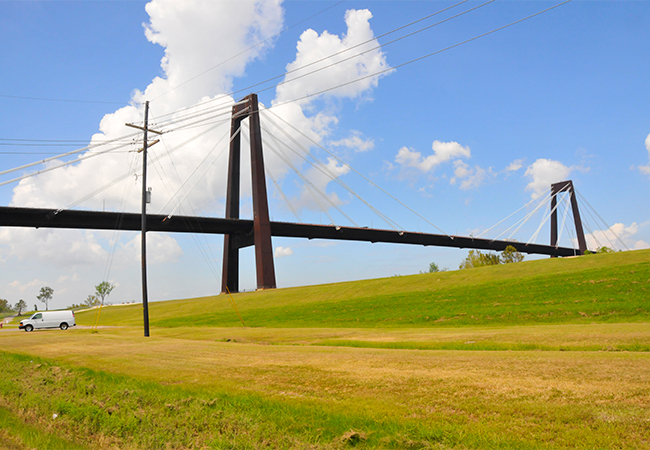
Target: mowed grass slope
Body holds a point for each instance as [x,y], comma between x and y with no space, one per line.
[563,363]
[602,288]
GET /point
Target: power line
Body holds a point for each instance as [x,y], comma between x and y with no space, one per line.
[232,93]
[421,57]
[248,49]
[381,71]
[64,100]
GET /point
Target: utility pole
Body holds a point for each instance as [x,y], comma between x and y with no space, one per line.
[145,297]
[145,199]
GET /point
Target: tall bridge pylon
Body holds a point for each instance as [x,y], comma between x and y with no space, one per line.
[261,237]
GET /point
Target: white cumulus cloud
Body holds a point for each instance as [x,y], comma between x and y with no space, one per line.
[515,165]
[442,152]
[613,236]
[355,142]
[469,177]
[545,172]
[282,251]
[331,49]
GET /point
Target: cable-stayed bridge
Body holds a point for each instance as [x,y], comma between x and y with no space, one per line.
[240,233]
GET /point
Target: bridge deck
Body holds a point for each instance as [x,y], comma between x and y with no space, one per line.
[242,229]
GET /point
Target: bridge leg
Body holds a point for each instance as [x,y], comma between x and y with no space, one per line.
[262,225]
[555,190]
[230,269]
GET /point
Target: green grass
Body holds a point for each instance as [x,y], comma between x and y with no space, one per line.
[15,434]
[603,288]
[549,354]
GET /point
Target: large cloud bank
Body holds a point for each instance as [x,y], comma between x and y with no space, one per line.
[207,45]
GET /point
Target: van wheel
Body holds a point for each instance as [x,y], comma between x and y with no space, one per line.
[64,326]
[28,328]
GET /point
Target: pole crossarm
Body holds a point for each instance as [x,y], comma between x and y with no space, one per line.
[243,229]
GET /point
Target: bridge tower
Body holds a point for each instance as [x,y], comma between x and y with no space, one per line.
[261,236]
[557,188]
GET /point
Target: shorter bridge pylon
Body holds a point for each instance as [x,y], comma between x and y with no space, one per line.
[557,188]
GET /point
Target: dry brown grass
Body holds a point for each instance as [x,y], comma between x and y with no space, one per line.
[402,383]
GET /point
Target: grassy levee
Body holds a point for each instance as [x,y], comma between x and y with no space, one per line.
[550,354]
[602,288]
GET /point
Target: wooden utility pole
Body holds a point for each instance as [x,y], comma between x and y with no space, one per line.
[145,296]
[145,193]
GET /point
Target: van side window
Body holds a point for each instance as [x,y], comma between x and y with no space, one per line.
[37,316]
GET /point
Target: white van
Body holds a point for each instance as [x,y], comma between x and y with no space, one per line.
[49,319]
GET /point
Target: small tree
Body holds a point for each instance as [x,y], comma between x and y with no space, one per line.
[5,307]
[20,306]
[91,301]
[103,290]
[475,258]
[433,268]
[511,255]
[45,296]
[604,250]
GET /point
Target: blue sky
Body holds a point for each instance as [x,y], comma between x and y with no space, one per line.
[464,137]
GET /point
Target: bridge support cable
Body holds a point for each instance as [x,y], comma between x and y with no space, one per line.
[205,168]
[309,186]
[114,238]
[319,166]
[607,227]
[282,194]
[520,223]
[200,241]
[564,216]
[508,217]
[372,183]
[545,217]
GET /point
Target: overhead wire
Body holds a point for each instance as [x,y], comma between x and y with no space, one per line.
[226,96]
[70,153]
[249,49]
[64,100]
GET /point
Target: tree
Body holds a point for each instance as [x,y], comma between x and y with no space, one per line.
[475,258]
[20,306]
[511,255]
[604,250]
[103,290]
[45,295]
[91,301]
[433,268]
[4,306]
